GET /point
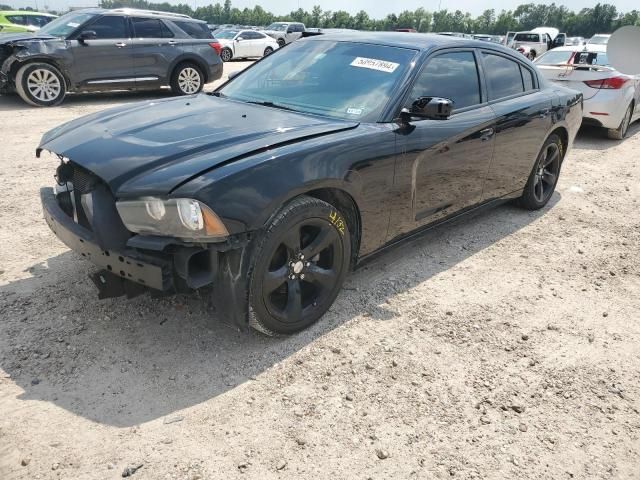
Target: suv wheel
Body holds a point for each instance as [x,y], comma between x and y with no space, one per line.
[281,42]
[40,84]
[226,55]
[187,79]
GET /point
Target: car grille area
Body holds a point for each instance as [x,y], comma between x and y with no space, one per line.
[87,199]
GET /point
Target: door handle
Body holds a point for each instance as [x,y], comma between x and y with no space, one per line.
[486,134]
[172,42]
[120,44]
[545,112]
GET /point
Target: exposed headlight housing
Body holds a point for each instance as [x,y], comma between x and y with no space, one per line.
[175,217]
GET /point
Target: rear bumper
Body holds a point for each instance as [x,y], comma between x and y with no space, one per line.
[606,108]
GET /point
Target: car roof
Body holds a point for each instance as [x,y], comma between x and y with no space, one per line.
[415,41]
[25,12]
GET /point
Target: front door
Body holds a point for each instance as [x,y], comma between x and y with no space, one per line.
[107,59]
[443,162]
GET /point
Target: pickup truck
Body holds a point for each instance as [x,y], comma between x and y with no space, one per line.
[534,43]
[285,32]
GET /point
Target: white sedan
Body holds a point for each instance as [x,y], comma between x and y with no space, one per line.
[611,98]
[245,44]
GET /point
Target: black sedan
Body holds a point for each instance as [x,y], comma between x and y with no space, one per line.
[274,186]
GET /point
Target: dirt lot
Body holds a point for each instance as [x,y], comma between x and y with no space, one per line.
[507,346]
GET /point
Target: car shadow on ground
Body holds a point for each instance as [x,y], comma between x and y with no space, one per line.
[124,362]
[594,138]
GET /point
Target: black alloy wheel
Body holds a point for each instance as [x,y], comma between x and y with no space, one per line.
[547,173]
[299,267]
[544,176]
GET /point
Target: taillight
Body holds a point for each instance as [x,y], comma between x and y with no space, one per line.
[613,83]
[216,46]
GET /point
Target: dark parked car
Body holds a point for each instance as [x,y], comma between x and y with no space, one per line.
[311,160]
[99,49]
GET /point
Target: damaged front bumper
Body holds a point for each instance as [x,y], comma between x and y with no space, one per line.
[159,264]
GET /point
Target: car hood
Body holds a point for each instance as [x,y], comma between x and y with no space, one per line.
[153,147]
[8,38]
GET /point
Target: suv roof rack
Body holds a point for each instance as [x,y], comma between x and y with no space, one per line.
[150,12]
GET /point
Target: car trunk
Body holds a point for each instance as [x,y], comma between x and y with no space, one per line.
[574,77]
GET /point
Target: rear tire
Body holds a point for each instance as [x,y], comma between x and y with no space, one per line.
[298,267]
[226,55]
[187,79]
[544,175]
[621,132]
[40,84]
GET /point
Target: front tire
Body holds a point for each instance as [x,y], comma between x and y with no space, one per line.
[267,51]
[281,42]
[40,84]
[621,132]
[187,79]
[544,176]
[299,267]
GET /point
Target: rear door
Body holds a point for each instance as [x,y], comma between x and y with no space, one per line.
[154,49]
[523,118]
[107,59]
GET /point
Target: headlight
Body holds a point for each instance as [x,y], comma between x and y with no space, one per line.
[175,217]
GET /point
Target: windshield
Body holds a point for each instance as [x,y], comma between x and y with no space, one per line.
[555,57]
[277,26]
[64,25]
[599,39]
[527,37]
[345,80]
[226,34]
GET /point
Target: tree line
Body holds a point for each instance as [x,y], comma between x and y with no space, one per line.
[603,18]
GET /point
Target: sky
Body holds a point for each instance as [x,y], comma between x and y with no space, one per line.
[375,8]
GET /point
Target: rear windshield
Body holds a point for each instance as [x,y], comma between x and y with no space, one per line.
[226,34]
[527,37]
[555,57]
[195,29]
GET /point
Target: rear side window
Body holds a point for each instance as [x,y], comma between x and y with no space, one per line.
[109,26]
[17,19]
[150,28]
[527,78]
[503,76]
[195,29]
[451,75]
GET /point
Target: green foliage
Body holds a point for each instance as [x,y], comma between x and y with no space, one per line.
[603,18]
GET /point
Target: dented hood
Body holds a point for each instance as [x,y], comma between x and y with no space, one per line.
[10,38]
[151,148]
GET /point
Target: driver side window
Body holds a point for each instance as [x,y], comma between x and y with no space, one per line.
[108,27]
[452,75]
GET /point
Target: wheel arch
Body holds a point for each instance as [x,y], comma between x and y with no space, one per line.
[49,61]
[347,205]
[189,59]
[563,133]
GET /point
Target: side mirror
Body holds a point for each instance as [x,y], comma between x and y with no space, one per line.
[239,39]
[87,35]
[289,30]
[433,108]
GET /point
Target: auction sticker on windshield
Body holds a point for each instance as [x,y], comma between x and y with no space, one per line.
[374,64]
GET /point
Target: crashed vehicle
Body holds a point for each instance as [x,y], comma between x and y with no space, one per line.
[98,50]
[320,155]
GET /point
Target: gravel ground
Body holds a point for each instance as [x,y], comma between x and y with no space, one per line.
[504,346]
